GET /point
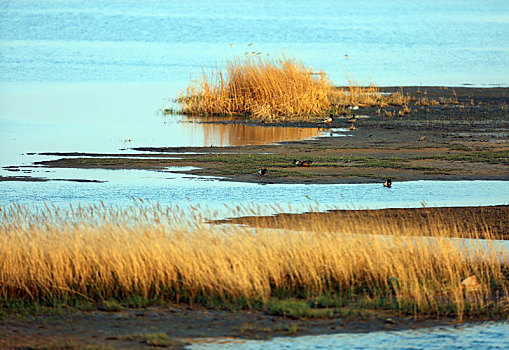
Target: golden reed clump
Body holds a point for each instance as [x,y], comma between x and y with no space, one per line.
[263,88]
[98,252]
[276,89]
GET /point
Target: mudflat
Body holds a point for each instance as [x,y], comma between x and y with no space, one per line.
[444,134]
[449,134]
[490,222]
[174,327]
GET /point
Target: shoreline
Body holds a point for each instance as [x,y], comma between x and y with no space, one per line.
[127,328]
[469,143]
[463,137]
[132,323]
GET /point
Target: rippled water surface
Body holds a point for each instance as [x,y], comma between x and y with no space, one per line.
[397,42]
[173,188]
[485,336]
[91,75]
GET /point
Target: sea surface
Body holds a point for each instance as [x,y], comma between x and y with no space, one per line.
[394,42]
[93,76]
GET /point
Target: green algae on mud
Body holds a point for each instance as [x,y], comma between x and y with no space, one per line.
[329,165]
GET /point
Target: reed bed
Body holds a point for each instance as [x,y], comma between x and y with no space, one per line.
[100,252]
[279,89]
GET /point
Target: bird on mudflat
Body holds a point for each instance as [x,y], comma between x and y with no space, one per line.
[305,163]
[261,172]
[329,120]
[388,183]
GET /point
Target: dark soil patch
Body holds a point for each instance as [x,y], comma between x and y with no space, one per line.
[134,328]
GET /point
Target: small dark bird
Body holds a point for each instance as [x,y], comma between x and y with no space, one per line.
[305,163]
[352,119]
[261,172]
[388,183]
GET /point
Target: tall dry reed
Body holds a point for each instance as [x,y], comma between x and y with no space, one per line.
[264,88]
[276,89]
[99,252]
[364,96]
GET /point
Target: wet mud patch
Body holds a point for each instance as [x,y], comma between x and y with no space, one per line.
[174,327]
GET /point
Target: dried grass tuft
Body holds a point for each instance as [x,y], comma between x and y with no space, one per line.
[276,89]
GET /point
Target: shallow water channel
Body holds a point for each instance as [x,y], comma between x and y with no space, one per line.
[481,336]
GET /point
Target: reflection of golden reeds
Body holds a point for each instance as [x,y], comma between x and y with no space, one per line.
[147,250]
[276,89]
[241,134]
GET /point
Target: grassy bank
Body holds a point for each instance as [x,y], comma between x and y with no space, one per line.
[117,257]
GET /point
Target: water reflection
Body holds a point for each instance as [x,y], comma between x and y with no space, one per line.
[112,117]
[216,132]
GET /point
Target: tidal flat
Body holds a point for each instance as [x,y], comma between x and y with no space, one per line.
[448,134]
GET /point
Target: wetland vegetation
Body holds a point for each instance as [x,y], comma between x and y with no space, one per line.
[464,141]
[84,80]
[280,89]
[147,254]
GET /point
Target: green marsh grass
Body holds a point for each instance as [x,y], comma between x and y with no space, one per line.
[145,251]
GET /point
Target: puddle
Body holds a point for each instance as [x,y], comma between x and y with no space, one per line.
[334,132]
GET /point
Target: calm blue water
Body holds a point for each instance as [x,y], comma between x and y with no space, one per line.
[396,42]
[89,76]
[178,189]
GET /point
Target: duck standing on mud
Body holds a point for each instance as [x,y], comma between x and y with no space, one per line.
[388,183]
[329,120]
[261,172]
[305,163]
